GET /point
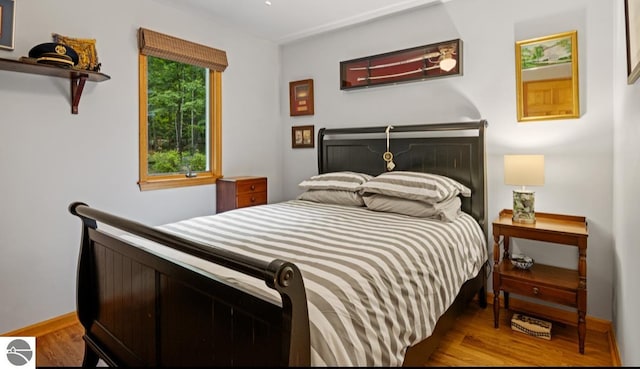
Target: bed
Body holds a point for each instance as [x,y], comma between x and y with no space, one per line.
[224,290]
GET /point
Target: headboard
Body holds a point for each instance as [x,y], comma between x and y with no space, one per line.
[455,150]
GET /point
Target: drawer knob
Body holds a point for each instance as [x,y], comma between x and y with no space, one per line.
[536,290]
[253,187]
[253,199]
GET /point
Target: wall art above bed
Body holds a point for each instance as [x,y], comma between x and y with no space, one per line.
[302,136]
[417,63]
[301,97]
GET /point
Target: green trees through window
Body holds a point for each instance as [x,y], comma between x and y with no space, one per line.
[177,117]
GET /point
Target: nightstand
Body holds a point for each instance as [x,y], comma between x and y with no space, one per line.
[559,285]
[240,192]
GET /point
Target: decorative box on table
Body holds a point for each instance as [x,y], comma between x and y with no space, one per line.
[531,326]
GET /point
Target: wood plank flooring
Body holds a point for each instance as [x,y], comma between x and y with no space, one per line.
[472,342]
[61,348]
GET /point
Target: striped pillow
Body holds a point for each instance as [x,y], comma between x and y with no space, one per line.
[346,198]
[342,181]
[415,186]
[446,211]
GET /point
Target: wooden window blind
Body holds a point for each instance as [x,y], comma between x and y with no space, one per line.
[156,44]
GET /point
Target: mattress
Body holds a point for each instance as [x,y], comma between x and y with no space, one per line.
[376,282]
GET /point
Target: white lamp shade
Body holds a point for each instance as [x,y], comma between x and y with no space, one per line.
[524,170]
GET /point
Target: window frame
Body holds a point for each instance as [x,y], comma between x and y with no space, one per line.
[155,182]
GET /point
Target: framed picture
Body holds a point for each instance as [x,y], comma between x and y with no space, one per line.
[417,63]
[302,136]
[547,85]
[7,23]
[301,97]
[632,15]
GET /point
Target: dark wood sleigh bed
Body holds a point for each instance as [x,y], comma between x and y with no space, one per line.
[141,309]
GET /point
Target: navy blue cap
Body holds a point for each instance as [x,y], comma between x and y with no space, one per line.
[55,54]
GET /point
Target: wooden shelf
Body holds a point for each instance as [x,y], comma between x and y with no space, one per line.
[77,77]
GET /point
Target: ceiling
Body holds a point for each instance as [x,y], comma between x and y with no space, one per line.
[288,20]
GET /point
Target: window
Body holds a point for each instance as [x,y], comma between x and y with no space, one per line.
[180,112]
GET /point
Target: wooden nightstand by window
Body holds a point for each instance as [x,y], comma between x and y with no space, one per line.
[559,285]
[239,192]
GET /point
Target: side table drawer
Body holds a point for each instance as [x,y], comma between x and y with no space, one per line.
[250,199]
[531,289]
[252,186]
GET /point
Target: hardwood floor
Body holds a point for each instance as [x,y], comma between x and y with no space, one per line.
[61,348]
[472,342]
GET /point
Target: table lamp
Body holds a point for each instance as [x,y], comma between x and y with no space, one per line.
[524,170]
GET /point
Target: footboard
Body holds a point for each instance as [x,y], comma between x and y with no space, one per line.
[139,309]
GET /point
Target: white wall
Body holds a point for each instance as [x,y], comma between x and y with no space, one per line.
[578,152]
[626,179]
[49,158]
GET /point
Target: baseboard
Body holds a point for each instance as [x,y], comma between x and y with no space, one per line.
[45,327]
[615,354]
[565,317]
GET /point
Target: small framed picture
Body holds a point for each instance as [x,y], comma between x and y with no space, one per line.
[302,136]
[7,27]
[301,97]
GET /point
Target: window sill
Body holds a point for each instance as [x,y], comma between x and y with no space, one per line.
[158,184]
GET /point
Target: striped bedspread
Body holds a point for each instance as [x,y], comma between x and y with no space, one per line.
[376,283]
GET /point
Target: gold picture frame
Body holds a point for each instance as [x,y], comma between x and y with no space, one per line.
[547,77]
[84,47]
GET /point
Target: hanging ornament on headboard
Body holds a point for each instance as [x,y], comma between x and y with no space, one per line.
[388,156]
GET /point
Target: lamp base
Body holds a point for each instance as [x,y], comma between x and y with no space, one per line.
[523,206]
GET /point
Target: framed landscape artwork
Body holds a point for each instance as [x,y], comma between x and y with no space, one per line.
[547,77]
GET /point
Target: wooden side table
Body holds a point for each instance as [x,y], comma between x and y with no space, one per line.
[559,285]
[240,192]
